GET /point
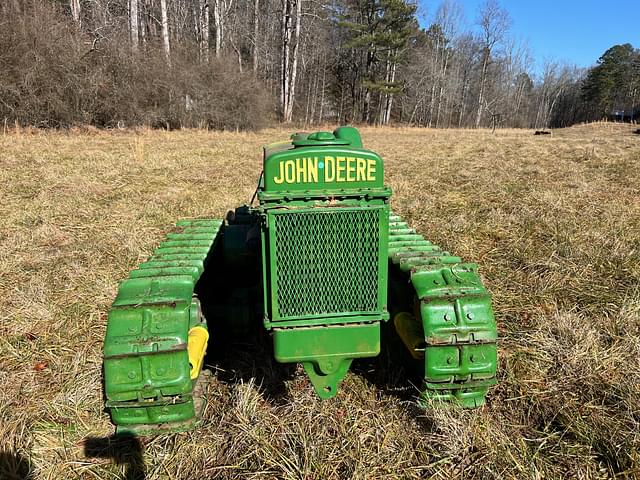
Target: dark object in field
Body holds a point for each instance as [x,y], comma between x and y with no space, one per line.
[542,132]
[637,131]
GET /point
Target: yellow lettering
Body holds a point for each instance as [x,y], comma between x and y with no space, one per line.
[329,169]
[280,179]
[289,171]
[351,169]
[371,170]
[340,167]
[312,169]
[301,170]
[361,168]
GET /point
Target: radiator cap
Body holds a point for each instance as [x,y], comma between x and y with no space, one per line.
[317,139]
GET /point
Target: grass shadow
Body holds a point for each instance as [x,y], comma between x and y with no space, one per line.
[14,466]
[122,450]
[231,296]
[251,358]
[394,373]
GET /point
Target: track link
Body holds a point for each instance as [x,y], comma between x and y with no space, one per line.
[150,384]
[451,330]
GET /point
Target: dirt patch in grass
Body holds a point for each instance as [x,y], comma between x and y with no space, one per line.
[553,221]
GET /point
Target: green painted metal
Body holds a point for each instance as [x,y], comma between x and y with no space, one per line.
[327,262]
[316,139]
[321,162]
[326,351]
[454,316]
[330,253]
[146,365]
[352,135]
[324,245]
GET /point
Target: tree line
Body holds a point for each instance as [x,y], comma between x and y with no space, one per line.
[243,64]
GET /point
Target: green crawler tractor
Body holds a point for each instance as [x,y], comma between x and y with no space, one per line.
[320,263]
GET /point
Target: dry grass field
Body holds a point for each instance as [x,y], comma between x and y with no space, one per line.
[553,221]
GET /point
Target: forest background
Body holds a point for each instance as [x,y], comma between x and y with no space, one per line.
[247,64]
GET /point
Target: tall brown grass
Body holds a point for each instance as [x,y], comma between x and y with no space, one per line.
[554,223]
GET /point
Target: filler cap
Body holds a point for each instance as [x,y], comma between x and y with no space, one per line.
[317,139]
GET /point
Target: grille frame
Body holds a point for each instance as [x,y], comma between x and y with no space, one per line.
[283,297]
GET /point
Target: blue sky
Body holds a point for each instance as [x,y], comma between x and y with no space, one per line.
[576,32]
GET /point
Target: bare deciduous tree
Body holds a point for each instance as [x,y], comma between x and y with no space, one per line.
[289,62]
[165,29]
[256,33]
[75,10]
[133,23]
[364,61]
[204,29]
[494,22]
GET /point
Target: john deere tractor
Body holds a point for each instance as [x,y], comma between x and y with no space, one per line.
[321,263]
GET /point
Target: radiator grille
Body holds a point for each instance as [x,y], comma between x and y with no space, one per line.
[326,261]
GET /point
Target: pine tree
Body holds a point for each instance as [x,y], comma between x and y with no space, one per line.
[377,33]
[614,83]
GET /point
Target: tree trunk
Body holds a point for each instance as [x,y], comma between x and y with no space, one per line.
[313,95]
[551,107]
[165,29]
[307,107]
[142,17]
[75,10]
[204,30]
[383,98]
[519,94]
[324,73]
[483,78]
[197,26]
[133,22]
[371,56]
[463,99]
[367,106]
[415,109]
[218,22]
[443,75]
[435,75]
[341,120]
[238,53]
[294,66]
[153,25]
[439,109]
[286,45]
[354,99]
[256,11]
[543,99]
[387,114]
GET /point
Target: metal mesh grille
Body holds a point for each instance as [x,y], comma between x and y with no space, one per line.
[327,261]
